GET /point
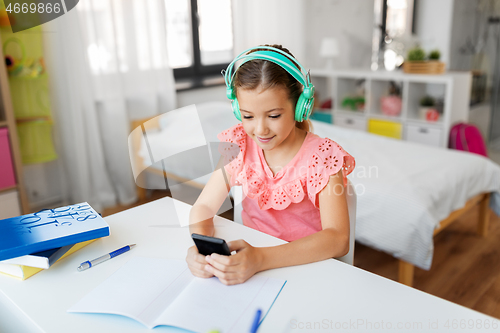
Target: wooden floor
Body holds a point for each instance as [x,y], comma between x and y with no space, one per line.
[154,195]
[465,268]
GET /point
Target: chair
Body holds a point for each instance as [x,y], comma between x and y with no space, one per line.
[237,195]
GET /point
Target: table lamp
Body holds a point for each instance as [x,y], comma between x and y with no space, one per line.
[329,50]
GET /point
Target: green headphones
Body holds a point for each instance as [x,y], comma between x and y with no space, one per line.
[306,99]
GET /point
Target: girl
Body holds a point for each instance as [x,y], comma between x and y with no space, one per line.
[293,180]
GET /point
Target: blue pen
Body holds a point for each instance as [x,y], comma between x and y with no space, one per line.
[256,320]
[89,263]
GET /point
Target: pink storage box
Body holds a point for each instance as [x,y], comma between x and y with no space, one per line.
[7,178]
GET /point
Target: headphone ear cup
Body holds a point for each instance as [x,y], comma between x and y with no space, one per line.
[230,93]
[300,108]
[236,109]
[308,108]
[303,108]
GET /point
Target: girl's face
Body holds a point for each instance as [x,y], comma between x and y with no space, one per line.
[268,116]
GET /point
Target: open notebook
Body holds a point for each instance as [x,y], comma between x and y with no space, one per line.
[164,292]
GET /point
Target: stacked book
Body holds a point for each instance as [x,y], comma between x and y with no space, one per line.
[33,242]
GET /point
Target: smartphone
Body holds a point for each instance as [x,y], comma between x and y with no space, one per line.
[207,245]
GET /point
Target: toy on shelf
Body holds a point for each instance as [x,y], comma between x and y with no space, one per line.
[14,65]
[327,104]
[355,103]
[391,105]
[22,67]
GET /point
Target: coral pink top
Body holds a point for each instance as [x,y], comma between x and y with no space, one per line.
[284,205]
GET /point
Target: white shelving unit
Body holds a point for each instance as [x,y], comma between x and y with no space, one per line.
[452,87]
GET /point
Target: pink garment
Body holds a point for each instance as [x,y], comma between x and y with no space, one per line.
[277,205]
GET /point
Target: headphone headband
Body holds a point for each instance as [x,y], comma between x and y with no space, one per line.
[305,102]
[277,59]
[283,59]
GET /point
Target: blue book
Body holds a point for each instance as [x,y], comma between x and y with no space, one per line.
[42,259]
[49,229]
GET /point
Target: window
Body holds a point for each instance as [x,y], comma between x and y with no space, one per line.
[194,37]
[199,36]
[398,19]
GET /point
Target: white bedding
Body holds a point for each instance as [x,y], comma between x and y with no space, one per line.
[403,189]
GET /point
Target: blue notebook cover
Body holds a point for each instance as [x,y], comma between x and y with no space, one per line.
[50,228]
[42,259]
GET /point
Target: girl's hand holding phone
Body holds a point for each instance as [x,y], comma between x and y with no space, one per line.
[237,268]
[196,263]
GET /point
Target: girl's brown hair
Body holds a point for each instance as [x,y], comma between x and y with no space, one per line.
[259,72]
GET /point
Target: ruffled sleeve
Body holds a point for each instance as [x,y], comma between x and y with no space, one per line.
[328,159]
[232,149]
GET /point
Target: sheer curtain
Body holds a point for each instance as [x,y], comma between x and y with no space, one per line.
[107,61]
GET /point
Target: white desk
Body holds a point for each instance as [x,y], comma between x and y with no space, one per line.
[326,296]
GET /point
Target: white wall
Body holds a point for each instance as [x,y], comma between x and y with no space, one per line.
[434,26]
[351,22]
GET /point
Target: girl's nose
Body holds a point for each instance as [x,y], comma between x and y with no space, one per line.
[261,128]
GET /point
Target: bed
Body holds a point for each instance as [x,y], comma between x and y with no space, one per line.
[407,192]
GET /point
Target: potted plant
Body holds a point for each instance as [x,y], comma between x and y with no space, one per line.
[434,55]
[417,62]
[416,54]
[428,109]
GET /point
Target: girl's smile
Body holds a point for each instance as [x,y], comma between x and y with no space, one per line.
[265,140]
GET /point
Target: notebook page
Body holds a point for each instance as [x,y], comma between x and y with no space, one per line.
[164,292]
[207,304]
[140,289]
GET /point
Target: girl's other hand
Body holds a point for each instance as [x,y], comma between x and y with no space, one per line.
[196,263]
[237,268]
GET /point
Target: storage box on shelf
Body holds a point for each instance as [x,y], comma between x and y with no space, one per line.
[350,119]
[7,176]
[387,128]
[397,114]
[10,191]
[324,115]
[9,202]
